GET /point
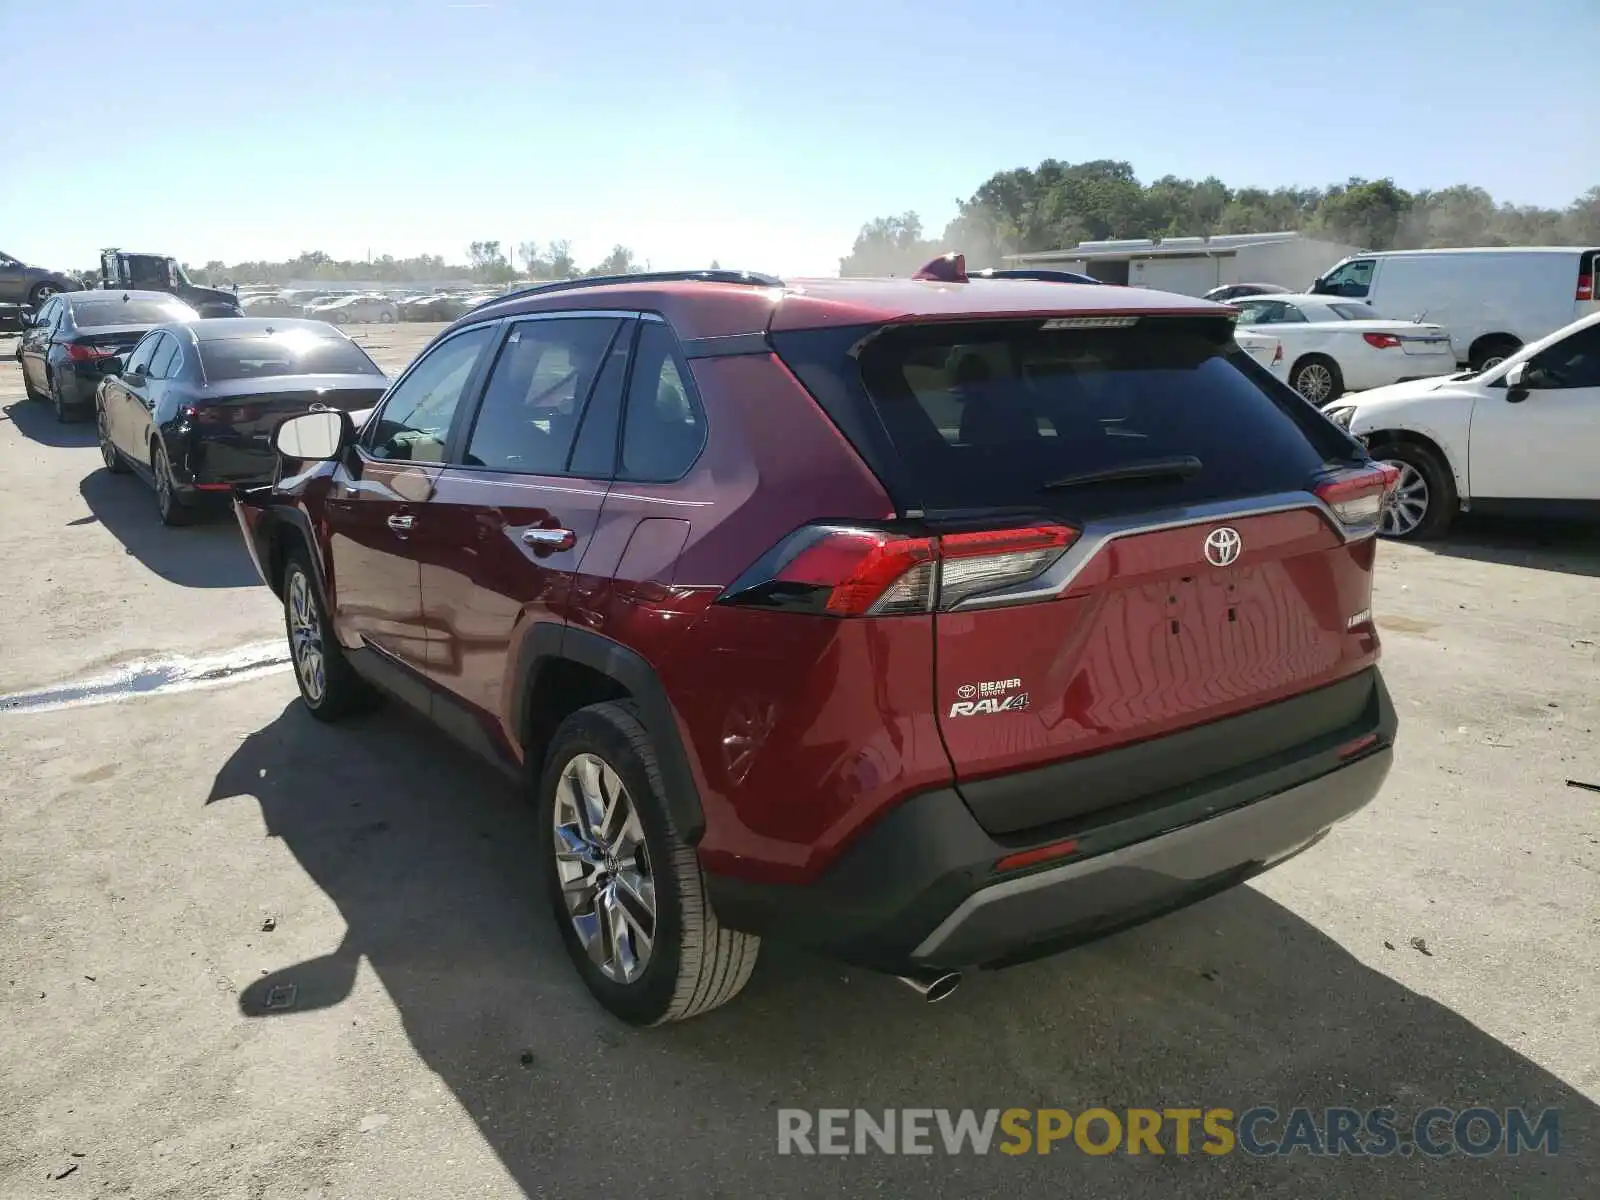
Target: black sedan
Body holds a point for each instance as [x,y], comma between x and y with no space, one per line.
[66,344]
[193,408]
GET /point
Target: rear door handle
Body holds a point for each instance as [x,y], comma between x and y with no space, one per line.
[401,524]
[550,539]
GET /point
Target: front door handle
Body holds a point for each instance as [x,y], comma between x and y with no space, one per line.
[401,524]
[550,539]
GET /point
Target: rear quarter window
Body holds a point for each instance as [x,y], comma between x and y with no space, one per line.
[985,416]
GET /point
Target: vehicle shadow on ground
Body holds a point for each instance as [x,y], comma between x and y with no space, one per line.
[35,419]
[207,554]
[1233,1003]
[1570,547]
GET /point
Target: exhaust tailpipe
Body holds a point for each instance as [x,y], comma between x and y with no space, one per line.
[932,986]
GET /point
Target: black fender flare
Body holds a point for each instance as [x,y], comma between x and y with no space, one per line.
[274,516]
[548,642]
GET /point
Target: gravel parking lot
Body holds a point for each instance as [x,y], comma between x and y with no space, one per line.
[170,858]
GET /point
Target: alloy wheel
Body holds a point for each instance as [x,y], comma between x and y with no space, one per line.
[604,868]
[1408,504]
[108,452]
[305,639]
[44,291]
[1314,382]
[163,474]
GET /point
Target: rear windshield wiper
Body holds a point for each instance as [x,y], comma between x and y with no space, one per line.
[1182,466]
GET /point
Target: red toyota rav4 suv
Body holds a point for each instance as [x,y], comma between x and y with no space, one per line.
[933,623]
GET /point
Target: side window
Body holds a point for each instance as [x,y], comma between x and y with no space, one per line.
[142,352]
[415,422]
[665,427]
[161,362]
[1573,362]
[534,399]
[1353,280]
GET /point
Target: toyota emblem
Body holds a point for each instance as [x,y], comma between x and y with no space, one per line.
[1223,546]
[966,691]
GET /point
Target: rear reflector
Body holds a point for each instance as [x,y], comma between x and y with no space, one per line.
[1356,496]
[1032,858]
[845,571]
[1381,341]
[1351,749]
[1277,355]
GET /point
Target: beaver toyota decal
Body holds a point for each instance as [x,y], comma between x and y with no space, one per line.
[989,697]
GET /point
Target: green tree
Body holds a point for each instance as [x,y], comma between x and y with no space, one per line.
[889,246]
[619,262]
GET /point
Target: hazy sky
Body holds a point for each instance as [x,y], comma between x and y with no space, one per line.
[759,134]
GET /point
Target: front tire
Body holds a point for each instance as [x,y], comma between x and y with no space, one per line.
[1424,501]
[329,685]
[1318,379]
[624,887]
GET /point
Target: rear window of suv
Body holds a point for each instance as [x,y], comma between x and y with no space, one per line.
[988,415]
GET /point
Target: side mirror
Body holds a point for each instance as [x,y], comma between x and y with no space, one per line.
[112,365]
[1517,377]
[140,371]
[25,318]
[317,436]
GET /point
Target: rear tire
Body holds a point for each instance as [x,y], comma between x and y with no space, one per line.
[41,292]
[109,453]
[64,415]
[169,507]
[1491,352]
[329,685]
[1425,501]
[633,911]
[1318,378]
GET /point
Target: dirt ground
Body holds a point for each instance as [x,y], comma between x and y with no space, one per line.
[1441,948]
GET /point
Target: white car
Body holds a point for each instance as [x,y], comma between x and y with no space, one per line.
[1266,350]
[1521,438]
[1335,346]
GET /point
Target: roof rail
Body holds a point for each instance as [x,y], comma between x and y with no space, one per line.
[753,278]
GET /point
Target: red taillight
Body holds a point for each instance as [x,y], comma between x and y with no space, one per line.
[1585,287]
[1381,341]
[80,353]
[1356,496]
[846,571]
[1365,742]
[865,571]
[1277,354]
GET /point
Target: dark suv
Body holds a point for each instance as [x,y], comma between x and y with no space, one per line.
[934,624]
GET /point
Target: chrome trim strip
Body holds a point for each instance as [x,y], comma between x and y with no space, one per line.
[1097,535]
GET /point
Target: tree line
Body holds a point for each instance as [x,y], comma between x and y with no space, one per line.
[1057,204]
[487,262]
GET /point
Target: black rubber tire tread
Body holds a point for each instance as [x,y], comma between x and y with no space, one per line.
[709,965]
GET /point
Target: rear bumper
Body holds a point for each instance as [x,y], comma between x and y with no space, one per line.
[920,888]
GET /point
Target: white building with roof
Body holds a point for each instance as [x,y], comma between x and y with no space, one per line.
[1192,266]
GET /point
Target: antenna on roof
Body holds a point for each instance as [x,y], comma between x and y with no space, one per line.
[947,268]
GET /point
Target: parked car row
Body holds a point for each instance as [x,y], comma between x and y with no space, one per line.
[362,307]
[189,404]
